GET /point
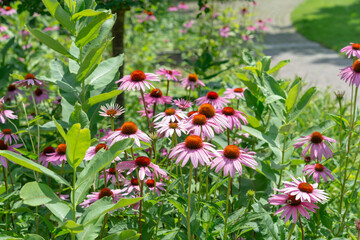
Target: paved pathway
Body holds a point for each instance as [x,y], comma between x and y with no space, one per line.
[317,65]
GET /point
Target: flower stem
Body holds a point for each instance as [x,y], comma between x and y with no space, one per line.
[103,226]
[302,229]
[105,180]
[228,136]
[291,231]
[227,207]
[282,159]
[145,108]
[61,172]
[189,203]
[112,124]
[140,208]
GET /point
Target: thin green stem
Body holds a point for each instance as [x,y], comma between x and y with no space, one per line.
[140,207]
[189,203]
[282,159]
[103,226]
[227,207]
[73,195]
[112,124]
[291,231]
[61,173]
[302,229]
[145,109]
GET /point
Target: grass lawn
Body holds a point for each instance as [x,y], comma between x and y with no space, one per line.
[332,23]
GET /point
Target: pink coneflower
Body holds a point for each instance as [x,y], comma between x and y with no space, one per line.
[156,97]
[7,11]
[246,37]
[143,164]
[57,100]
[3,28]
[5,113]
[138,80]
[150,112]
[40,95]
[12,148]
[224,31]
[168,129]
[182,5]
[24,33]
[170,115]
[254,3]
[43,156]
[112,110]
[183,104]
[164,151]
[59,156]
[192,81]
[351,74]
[91,152]
[244,11]
[189,24]
[304,191]
[12,92]
[128,130]
[146,16]
[194,149]
[251,28]
[172,9]
[111,176]
[155,187]
[214,99]
[105,192]
[316,144]
[292,206]
[28,46]
[200,126]
[169,74]
[353,50]
[234,93]
[263,27]
[317,170]
[29,81]
[233,117]
[8,136]
[212,116]
[231,159]
[131,186]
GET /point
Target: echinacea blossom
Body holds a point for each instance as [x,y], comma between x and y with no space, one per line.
[316,144]
[138,80]
[169,74]
[233,117]
[204,7]
[172,9]
[115,194]
[155,186]
[224,31]
[251,28]
[244,11]
[212,116]
[182,5]
[194,149]
[12,92]
[231,160]
[192,81]
[292,207]
[7,11]
[40,95]
[200,126]
[146,16]
[111,176]
[131,186]
[43,156]
[59,156]
[183,104]
[189,24]
[3,28]
[8,136]
[91,152]
[149,110]
[317,170]
[24,33]
[168,129]
[351,74]
[112,110]
[128,130]
[5,113]
[352,50]
[156,97]
[144,165]
[245,37]
[214,99]
[234,93]
[29,81]
[11,148]
[304,191]
[170,115]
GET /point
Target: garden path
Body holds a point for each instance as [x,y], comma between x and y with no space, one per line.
[317,65]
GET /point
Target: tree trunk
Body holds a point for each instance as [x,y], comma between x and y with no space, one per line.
[118,48]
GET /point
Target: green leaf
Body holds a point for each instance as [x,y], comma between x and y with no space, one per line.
[247,58]
[82,191]
[79,116]
[60,129]
[33,237]
[60,210]
[7,46]
[85,13]
[254,122]
[284,129]
[304,100]
[124,235]
[30,164]
[100,98]
[77,143]
[178,206]
[50,42]
[278,66]
[60,14]
[36,194]
[102,159]
[292,97]
[91,30]
[72,227]
[273,98]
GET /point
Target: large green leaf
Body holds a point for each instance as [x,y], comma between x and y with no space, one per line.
[124,235]
[77,143]
[102,159]
[60,210]
[72,227]
[91,30]
[100,98]
[79,116]
[36,194]
[292,97]
[86,13]
[50,42]
[30,164]
[60,14]
[304,100]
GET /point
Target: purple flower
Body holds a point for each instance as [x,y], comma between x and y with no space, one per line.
[3,28]
[224,32]
[168,129]
[12,92]
[111,110]
[351,74]
[8,136]
[172,9]
[7,11]
[352,50]
[316,145]
[317,170]
[182,104]
[12,148]
[214,99]
[56,158]
[200,126]
[40,95]
[189,24]
[169,74]
[233,117]
[29,81]
[5,113]
[128,130]
[105,192]
[170,115]
[182,5]
[234,93]
[156,97]
[191,81]
[57,100]
[111,176]
[138,80]
[155,186]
